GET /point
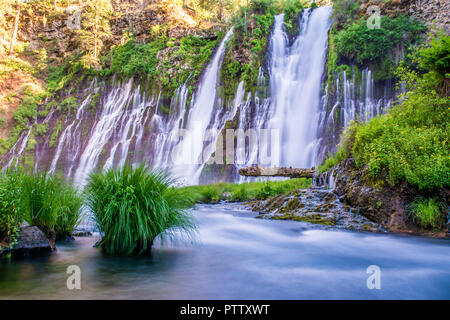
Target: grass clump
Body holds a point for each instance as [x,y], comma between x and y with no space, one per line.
[10,218]
[428,213]
[50,203]
[132,207]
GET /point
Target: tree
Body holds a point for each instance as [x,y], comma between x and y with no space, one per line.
[95,28]
[16,27]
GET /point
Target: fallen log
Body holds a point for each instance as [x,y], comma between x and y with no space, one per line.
[276,172]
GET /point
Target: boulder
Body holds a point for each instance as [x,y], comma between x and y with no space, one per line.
[30,240]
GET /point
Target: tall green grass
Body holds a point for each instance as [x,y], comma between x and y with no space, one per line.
[40,199]
[213,193]
[428,212]
[10,218]
[132,207]
[50,203]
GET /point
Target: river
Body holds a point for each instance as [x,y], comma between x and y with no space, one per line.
[235,256]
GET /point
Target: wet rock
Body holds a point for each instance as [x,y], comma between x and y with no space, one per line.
[315,205]
[30,240]
[81,232]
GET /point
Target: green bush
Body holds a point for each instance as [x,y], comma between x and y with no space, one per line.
[10,218]
[428,213]
[210,194]
[50,203]
[134,58]
[409,142]
[358,43]
[132,207]
[240,193]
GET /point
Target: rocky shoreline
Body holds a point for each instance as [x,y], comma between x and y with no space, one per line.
[32,241]
[344,198]
[316,205]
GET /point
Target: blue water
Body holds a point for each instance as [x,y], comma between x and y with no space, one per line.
[236,256]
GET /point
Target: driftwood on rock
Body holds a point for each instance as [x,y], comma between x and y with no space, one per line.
[276,172]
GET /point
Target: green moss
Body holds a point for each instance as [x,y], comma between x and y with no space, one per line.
[94,101]
[69,105]
[313,218]
[31,143]
[55,134]
[40,128]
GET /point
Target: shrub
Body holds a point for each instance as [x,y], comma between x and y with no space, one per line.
[428,213]
[356,42]
[132,207]
[410,142]
[134,58]
[50,203]
[10,218]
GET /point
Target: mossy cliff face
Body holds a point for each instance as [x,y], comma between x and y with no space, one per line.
[380,203]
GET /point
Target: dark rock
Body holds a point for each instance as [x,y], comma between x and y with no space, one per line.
[81,232]
[314,205]
[30,240]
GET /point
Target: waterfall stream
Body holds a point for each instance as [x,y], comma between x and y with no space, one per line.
[189,158]
[290,120]
[295,84]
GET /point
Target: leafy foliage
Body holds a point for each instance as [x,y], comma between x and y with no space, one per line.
[10,218]
[134,58]
[364,46]
[132,207]
[410,142]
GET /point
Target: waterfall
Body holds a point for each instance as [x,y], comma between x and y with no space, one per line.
[285,122]
[352,97]
[295,83]
[67,136]
[189,154]
[168,129]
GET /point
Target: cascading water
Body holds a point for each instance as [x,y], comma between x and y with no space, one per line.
[295,83]
[189,155]
[136,127]
[113,110]
[354,97]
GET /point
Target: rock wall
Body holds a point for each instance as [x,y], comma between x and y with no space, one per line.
[430,12]
[384,204]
